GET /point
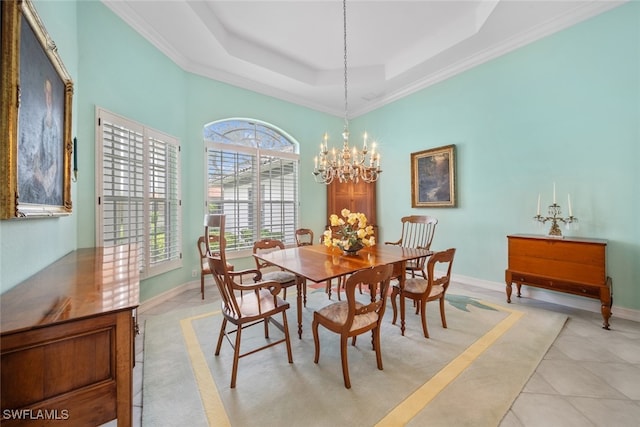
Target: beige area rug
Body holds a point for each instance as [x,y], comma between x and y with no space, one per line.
[466,375]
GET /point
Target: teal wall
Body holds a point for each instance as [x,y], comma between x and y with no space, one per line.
[27,246]
[564,109]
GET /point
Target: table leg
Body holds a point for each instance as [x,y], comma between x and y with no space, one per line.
[400,271]
[299,287]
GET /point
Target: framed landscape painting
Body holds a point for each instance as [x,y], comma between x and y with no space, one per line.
[35,123]
[433,173]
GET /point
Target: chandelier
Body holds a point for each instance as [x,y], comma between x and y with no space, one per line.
[347,164]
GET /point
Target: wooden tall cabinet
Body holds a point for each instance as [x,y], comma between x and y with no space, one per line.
[360,197]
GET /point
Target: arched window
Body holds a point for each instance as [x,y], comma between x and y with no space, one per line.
[252,177]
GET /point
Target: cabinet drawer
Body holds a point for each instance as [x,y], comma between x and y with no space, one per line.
[557,285]
[558,249]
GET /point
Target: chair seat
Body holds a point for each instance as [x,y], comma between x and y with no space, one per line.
[279,276]
[206,270]
[338,312]
[250,306]
[419,286]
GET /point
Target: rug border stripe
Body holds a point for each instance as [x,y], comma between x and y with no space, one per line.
[418,400]
[400,415]
[211,401]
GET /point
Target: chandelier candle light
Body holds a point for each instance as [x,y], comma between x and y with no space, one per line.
[555,215]
[348,164]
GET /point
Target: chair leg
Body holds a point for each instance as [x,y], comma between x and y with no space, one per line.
[442,316]
[345,363]
[236,357]
[423,316]
[316,341]
[266,328]
[222,332]
[202,285]
[376,344]
[394,294]
[286,336]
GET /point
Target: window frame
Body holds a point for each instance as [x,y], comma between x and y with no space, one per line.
[173,222]
[257,198]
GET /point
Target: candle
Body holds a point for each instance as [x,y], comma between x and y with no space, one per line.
[569,201]
[364,146]
[75,154]
[554,193]
[315,162]
[538,211]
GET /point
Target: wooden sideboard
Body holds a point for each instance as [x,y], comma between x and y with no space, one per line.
[572,265]
[66,342]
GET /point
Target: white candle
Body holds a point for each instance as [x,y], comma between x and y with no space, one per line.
[538,211]
[315,162]
[554,193]
[569,200]
[364,146]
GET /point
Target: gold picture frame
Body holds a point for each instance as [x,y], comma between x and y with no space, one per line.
[433,177]
[36,92]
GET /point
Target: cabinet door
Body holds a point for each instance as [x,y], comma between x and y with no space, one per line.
[360,197]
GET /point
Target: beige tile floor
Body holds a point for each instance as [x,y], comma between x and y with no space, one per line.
[589,377]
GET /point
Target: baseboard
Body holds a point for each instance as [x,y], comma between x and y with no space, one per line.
[160,298]
[527,291]
[587,304]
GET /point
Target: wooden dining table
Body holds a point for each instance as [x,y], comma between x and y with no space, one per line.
[320,263]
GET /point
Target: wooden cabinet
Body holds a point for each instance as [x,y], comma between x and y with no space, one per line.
[572,265]
[360,197]
[67,341]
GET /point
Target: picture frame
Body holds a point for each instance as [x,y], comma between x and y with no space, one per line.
[433,177]
[36,92]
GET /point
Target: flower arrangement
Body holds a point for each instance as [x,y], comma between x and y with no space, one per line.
[349,233]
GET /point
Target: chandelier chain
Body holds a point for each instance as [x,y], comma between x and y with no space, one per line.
[346,164]
[346,102]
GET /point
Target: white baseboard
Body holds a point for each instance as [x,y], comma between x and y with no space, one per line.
[160,298]
[527,291]
[552,297]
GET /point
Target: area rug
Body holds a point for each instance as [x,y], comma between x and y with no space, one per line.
[466,375]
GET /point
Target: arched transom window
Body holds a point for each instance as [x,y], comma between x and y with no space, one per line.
[252,177]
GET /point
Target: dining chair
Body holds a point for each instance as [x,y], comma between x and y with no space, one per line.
[417,232]
[304,237]
[246,305]
[353,317]
[420,290]
[285,278]
[204,264]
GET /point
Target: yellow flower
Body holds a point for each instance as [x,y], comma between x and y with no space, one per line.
[349,230]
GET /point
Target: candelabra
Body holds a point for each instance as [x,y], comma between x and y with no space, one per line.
[555,216]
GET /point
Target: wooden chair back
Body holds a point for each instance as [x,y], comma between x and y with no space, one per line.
[304,236]
[265,246]
[417,232]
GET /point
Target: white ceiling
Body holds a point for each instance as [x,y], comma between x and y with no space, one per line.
[294,50]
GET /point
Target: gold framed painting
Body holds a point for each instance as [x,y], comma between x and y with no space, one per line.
[433,177]
[35,123]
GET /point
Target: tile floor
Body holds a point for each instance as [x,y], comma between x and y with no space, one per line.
[589,377]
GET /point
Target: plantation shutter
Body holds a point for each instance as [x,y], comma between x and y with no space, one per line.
[259,198]
[138,191]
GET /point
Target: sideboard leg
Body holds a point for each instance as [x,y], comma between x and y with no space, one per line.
[606,314]
[509,293]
